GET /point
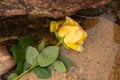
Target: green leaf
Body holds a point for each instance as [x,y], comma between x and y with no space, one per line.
[48,56]
[12,76]
[31,55]
[20,65]
[19,56]
[17,51]
[68,62]
[41,46]
[42,72]
[26,65]
[59,66]
[26,41]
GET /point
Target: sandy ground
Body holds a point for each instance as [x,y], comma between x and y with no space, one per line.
[100,59]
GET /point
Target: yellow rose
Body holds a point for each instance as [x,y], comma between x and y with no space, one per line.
[72,33]
[54,25]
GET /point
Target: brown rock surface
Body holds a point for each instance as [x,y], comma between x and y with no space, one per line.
[49,8]
[6,60]
[100,58]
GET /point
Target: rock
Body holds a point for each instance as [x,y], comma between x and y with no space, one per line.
[97,60]
[101,48]
[29,76]
[6,60]
[118,16]
[48,8]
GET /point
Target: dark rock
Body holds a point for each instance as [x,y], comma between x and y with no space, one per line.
[48,8]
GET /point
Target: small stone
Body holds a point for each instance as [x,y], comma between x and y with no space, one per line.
[75,76]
